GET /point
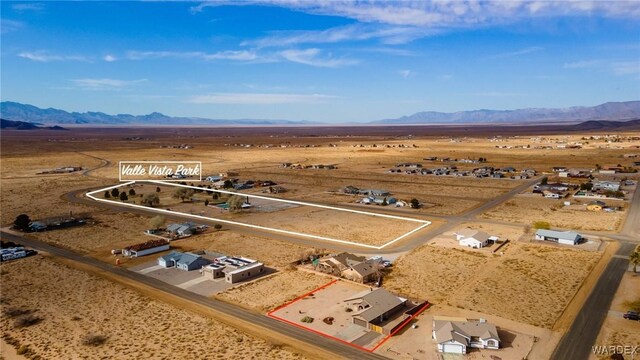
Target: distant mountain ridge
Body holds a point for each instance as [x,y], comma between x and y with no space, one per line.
[608,111]
[23,125]
[28,113]
[611,111]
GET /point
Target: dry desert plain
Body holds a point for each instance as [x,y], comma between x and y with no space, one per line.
[450,277]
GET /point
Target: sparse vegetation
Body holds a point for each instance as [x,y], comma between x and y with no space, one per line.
[93,340]
[541,225]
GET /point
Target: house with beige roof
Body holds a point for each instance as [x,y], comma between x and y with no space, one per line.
[474,238]
[351,267]
[456,336]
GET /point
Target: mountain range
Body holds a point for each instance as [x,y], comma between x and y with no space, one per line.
[611,111]
[617,111]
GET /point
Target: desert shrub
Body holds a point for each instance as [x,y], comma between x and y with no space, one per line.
[541,225]
[23,350]
[93,340]
[27,320]
[15,312]
[632,305]
[307,319]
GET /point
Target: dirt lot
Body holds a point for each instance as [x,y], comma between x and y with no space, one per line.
[58,316]
[282,287]
[617,331]
[537,274]
[433,273]
[526,209]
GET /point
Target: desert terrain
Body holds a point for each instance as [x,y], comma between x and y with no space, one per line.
[429,266]
[45,318]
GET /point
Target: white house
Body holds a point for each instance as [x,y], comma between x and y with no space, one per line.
[606,185]
[456,336]
[474,238]
[561,237]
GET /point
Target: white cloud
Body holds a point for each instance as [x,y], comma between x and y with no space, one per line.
[259,99]
[313,57]
[109,58]
[520,52]
[43,56]
[625,67]
[7,26]
[392,35]
[22,7]
[583,64]
[406,73]
[448,13]
[241,55]
[496,94]
[616,67]
[105,84]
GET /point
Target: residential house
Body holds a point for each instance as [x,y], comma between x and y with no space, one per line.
[213,178]
[351,190]
[372,308]
[596,205]
[169,260]
[550,194]
[456,336]
[561,237]
[606,185]
[336,264]
[379,200]
[233,269]
[374,192]
[146,248]
[190,261]
[364,272]
[474,238]
[184,229]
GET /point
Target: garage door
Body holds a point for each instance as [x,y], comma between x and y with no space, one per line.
[455,349]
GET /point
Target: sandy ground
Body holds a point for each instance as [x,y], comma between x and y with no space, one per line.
[334,224]
[432,273]
[538,274]
[617,331]
[476,280]
[526,209]
[138,327]
[282,287]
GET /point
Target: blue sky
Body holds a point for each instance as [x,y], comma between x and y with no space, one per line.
[338,61]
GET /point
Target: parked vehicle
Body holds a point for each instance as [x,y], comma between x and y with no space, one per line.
[631,315]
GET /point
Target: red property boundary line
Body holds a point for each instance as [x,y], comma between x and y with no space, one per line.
[425,307]
[271,315]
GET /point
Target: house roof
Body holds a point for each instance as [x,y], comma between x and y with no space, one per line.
[365,268]
[174,255]
[565,235]
[188,258]
[379,300]
[147,245]
[179,227]
[478,235]
[348,259]
[462,331]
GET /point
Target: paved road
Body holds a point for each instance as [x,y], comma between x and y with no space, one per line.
[269,324]
[577,342]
